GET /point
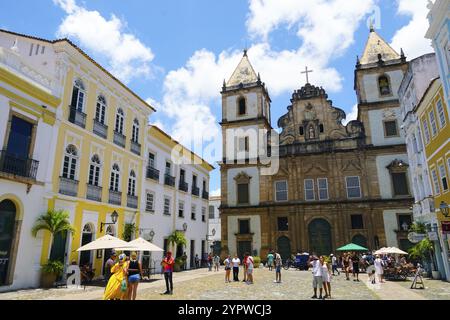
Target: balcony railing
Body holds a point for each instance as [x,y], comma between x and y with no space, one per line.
[119,139]
[69,187]
[136,147]
[77,117]
[132,201]
[205,195]
[23,167]
[169,180]
[94,192]
[195,191]
[100,129]
[183,186]
[152,173]
[115,197]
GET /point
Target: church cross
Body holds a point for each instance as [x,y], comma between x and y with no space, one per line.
[307,72]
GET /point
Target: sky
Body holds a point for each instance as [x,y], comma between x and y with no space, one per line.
[176,54]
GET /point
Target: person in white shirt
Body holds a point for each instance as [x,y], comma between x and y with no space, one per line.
[317,276]
[378,263]
[334,264]
[326,277]
[278,264]
[236,262]
[249,269]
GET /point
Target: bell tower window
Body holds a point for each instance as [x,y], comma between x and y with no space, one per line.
[384,85]
[242,106]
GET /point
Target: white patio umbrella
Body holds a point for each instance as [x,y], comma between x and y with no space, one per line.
[390,250]
[105,242]
[140,244]
[380,251]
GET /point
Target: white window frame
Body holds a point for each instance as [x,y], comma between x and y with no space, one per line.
[306,189]
[120,119]
[347,187]
[321,189]
[181,206]
[135,131]
[281,191]
[166,204]
[72,158]
[100,109]
[154,159]
[426,131]
[81,91]
[150,204]
[115,178]
[203,214]
[132,183]
[96,171]
[433,123]
[194,211]
[442,175]
[441,114]
[436,184]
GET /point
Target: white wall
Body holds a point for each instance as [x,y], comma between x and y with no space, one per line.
[370,84]
[252,107]
[253,172]
[384,177]
[376,118]
[233,228]
[215,223]
[391,224]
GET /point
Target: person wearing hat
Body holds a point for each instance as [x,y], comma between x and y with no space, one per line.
[167,264]
[109,264]
[117,287]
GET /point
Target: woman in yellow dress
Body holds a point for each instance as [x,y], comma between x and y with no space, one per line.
[114,289]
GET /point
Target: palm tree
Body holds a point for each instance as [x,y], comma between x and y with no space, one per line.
[177,238]
[55,222]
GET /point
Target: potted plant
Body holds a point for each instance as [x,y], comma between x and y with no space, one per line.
[128,230]
[50,272]
[177,238]
[55,222]
[423,251]
[178,263]
[256,261]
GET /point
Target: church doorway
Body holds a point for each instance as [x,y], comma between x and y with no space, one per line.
[360,240]
[243,248]
[320,237]
[7,222]
[284,247]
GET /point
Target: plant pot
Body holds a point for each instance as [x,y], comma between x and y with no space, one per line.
[436,275]
[48,280]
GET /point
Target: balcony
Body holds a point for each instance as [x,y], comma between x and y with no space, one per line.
[205,195]
[183,186]
[132,201]
[69,187]
[17,166]
[77,117]
[94,193]
[119,139]
[100,129]
[169,180]
[136,147]
[195,191]
[152,173]
[115,197]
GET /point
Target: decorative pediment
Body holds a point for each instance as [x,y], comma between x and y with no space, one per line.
[314,169]
[351,165]
[355,128]
[389,114]
[398,166]
[242,177]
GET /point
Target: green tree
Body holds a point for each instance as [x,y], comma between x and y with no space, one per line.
[53,221]
[423,251]
[128,231]
[177,238]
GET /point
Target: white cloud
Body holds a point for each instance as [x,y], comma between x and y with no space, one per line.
[215,193]
[412,36]
[127,56]
[353,115]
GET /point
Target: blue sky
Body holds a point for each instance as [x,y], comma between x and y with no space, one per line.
[179,52]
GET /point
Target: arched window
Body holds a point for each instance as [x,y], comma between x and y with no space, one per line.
[302,130]
[384,85]
[86,237]
[70,162]
[100,111]
[115,177]
[78,94]
[119,121]
[242,106]
[321,128]
[94,171]
[132,183]
[135,133]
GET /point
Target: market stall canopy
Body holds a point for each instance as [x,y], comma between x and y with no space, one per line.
[140,244]
[390,250]
[352,247]
[105,242]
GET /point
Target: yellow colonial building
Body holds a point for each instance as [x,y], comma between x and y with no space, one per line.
[432,113]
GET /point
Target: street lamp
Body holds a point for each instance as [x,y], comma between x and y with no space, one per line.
[444,209]
[114,217]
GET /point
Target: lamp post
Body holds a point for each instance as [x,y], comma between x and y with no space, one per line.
[444,209]
[114,217]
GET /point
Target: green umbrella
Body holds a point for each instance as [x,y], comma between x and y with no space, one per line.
[352,247]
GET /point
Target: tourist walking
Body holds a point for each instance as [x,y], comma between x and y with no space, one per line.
[326,277]
[134,275]
[167,264]
[109,264]
[216,261]
[197,261]
[278,265]
[270,258]
[317,276]
[346,265]
[236,262]
[227,263]
[355,265]
[210,262]
[378,263]
[334,264]
[244,262]
[250,266]
[117,286]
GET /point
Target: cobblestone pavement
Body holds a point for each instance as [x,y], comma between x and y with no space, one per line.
[203,285]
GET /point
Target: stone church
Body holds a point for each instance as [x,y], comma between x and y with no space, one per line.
[336,183]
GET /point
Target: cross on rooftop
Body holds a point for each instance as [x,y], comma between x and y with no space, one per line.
[307,72]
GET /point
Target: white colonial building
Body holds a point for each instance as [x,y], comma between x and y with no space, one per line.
[175,197]
[214,232]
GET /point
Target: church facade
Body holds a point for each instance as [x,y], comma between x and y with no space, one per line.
[335,183]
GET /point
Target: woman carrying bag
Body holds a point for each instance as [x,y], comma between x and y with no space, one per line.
[117,287]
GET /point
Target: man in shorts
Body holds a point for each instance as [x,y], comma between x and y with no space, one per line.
[314,262]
